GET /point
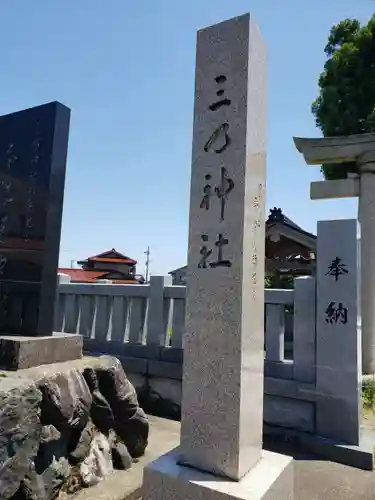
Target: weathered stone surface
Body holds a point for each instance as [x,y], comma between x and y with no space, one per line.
[44,486]
[32,487]
[50,469]
[81,444]
[50,451]
[49,433]
[120,456]
[55,476]
[98,464]
[164,436]
[134,433]
[130,421]
[57,442]
[66,400]
[101,411]
[20,431]
[118,390]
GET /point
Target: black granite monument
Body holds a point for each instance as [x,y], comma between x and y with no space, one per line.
[33,151]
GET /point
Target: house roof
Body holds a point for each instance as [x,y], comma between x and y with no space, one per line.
[83,276]
[111,256]
[113,259]
[178,269]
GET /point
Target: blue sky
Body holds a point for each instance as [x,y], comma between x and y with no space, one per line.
[126,69]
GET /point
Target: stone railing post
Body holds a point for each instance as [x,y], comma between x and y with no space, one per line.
[155,313]
[62,279]
[304,325]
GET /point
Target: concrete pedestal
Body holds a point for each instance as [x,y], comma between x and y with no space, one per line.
[18,352]
[272,478]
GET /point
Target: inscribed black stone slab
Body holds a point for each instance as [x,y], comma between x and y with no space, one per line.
[33,151]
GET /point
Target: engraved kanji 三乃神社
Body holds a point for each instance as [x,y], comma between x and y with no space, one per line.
[217,142]
[219,139]
[206,253]
[222,190]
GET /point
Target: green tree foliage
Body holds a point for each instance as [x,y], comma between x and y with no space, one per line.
[346,102]
[276,281]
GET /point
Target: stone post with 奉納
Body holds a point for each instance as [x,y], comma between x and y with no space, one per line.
[33,152]
[360,149]
[221,453]
[338,408]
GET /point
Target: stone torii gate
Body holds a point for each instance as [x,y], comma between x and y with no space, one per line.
[360,149]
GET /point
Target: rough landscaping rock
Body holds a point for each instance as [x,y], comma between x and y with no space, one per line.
[81,448]
[49,433]
[130,421]
[134,433]
[118,390]
[50,469]
[32,487]
[98,464]
[49,452]
[44,486]
[101,411]
[121,458]
[66,400]
[20,431]
[65,426]
[55,476]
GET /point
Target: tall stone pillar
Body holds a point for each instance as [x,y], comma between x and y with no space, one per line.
[366,212]
[221,455]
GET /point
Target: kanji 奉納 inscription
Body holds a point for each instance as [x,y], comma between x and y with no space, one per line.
[336,313]
[336,268]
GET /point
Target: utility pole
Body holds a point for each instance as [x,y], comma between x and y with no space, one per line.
[147,253]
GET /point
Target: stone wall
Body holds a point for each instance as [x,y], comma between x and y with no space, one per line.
[288,404]
[66,426]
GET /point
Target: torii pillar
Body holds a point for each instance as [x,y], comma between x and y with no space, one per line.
[359,149]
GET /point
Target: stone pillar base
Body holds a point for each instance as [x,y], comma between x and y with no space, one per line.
[272,478]
[19,352]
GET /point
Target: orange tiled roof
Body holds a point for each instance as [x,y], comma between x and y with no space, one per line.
[82,276]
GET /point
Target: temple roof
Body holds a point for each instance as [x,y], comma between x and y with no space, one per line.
[276,216]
